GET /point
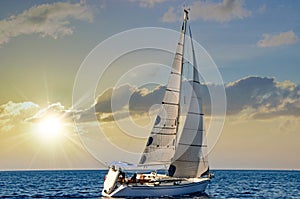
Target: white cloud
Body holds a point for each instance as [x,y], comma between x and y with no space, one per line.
[209,11]
[47,20]
[56,109]
[148,3]
[14,116]
[11,114]
[284,38]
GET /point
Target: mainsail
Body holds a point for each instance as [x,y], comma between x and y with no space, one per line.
[160,148]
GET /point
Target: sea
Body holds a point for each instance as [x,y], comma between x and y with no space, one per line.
[89,183]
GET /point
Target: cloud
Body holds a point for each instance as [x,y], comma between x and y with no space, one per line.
[56,109]
[251,97]
[142,101]
[51,20]
[148,3]
[11,114]
[209,11]
[262,98]
[284,38]
[126,97]
[103,102]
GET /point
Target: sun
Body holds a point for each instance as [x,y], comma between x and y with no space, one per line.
[50,128]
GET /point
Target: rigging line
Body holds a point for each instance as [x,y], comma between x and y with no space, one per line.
[195,67]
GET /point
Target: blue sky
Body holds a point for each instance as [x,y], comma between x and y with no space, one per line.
[231,43]
[43,43]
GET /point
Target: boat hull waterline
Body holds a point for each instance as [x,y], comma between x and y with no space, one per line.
[188,187]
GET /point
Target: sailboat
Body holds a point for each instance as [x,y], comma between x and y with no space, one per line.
[175,144]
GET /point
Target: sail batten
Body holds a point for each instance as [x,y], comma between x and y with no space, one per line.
[192,145]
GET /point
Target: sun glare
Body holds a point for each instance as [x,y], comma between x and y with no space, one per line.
[50,128]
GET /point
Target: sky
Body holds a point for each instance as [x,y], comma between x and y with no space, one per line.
[45,46]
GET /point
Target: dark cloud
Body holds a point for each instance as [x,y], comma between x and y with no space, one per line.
[249,91]
[120,94]
[143,99]
[137,100]
[265,97]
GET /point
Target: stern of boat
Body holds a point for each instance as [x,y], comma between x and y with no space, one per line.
[110,181]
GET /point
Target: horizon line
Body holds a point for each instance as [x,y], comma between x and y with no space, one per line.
[94,169]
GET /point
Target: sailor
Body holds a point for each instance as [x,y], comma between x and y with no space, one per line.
[121,177]
[133,178]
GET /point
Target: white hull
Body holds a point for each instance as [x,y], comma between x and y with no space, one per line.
[189,186]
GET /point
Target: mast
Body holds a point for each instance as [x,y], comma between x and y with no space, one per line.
[160,147]
[183,31]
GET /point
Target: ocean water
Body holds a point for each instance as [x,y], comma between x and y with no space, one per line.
[88,184]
